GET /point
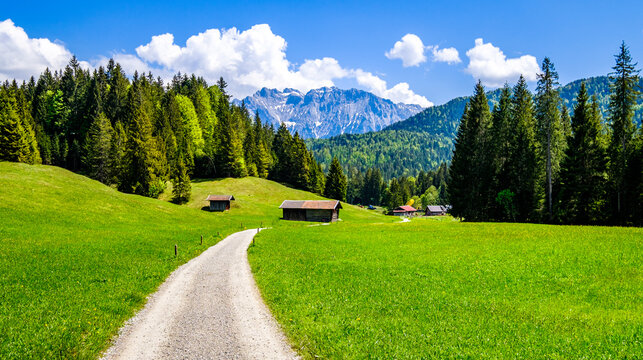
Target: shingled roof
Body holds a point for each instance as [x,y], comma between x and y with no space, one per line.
[405,208]
[220,198]
[311,204]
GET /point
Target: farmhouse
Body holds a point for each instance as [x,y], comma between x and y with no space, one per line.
[219,202]
[404,210]
[435,210]
[311,210]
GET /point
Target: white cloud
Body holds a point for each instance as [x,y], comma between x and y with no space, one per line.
[398,93]
[489,64]
[22,57]
[249,60]
[447,55]
[410,50]
[256,58]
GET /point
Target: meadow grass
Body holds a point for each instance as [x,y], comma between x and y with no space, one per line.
[78,258]
[444,289]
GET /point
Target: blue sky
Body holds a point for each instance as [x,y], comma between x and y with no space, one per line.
[349,40]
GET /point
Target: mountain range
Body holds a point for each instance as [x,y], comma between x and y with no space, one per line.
[327,111]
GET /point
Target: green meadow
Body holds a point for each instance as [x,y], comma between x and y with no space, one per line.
[79,258]
[444,289]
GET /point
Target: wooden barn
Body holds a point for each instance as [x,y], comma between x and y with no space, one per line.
[311,210]
[435,210]
[219,202]
[404,210]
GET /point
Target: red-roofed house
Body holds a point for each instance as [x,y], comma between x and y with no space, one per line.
[404,210]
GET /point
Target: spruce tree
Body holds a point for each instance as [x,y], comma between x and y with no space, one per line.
[98,149]
[181,186]
[335,182]
[623,98]
[282,146]
[13,139]
[583,171]
[230,153]
[501,132]
[523,159]
[550,128]
[471,167]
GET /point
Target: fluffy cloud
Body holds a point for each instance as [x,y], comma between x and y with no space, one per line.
[22,57]
[410,50]
[398,93]
[256,58]
[447,55]
[249,60]
[489,64]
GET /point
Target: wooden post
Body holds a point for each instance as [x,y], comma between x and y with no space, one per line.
[176,251]
[201,239]
[218,234]
[261,225]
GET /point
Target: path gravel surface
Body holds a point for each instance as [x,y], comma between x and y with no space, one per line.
[209,308]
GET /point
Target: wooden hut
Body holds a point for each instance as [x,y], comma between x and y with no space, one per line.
[311,210]
[435,210]
[404,210]
[219,202]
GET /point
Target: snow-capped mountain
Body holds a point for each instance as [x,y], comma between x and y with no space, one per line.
[326,112]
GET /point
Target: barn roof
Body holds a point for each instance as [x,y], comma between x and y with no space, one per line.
[436,208]
[404,208]
[220,198]
[311,204]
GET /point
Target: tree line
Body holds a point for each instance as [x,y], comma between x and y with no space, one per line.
[137,134]
[531,159]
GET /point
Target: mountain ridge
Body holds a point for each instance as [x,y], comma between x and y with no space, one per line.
[327,111]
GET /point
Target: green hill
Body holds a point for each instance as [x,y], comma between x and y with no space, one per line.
[425,140]
[78,257]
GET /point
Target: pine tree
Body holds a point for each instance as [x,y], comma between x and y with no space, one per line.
[550,128]
[13,139]
[98,147]
[251,153]
[143,170]
[623,99]
[282,148]
[501,132]
[523,159]
[335,182]
[230,153]
[471,167]
[583,171]
[300,164]
[181,187]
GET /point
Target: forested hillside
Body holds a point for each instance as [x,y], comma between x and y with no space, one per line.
[137,134]
[425,140]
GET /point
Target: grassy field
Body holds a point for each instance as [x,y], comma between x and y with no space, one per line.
[444,289]
[78,258]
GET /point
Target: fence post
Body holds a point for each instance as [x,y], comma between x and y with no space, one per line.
[201,239]
[176,251]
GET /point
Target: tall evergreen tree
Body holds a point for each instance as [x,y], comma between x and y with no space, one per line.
[335,182]
[181,186]
[13,139]
[471,170]
[550,128]
[230,154]
[583,171]
[623,98]
[98,149]
[501,133]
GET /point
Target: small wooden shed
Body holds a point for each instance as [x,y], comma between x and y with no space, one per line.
[435,210]
[219,202]
[311,210]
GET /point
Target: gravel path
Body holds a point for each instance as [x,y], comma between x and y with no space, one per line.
[209,308]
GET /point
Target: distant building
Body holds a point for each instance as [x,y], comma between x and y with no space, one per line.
[435,210]
[404,210]
[219,202]
[311,210]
